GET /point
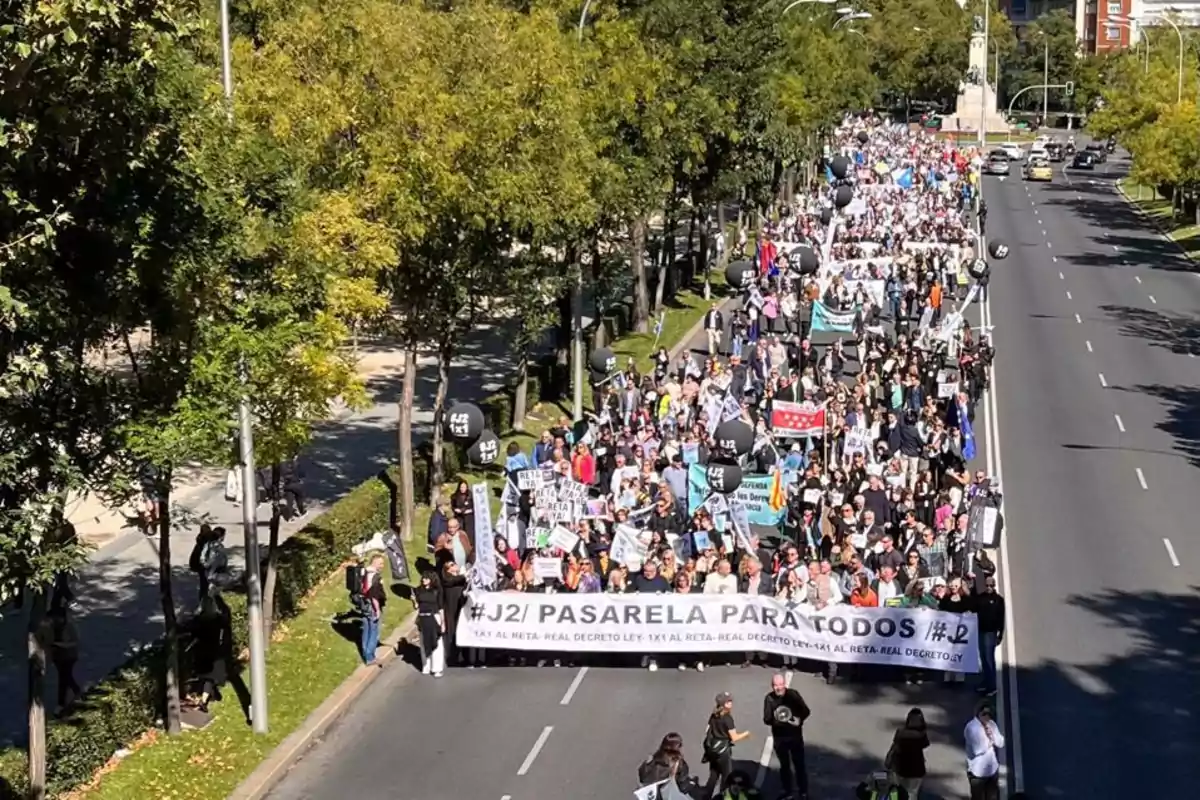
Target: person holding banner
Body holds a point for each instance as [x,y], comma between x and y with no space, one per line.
[431,624]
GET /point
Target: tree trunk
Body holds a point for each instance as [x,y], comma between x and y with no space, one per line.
[37,695]
[407,495]
[437,469]
[167,599]
[637,263]
[272,556]
[701,258]
[692,228]
[521,391]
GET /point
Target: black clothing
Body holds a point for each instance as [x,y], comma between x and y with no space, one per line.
[646,585]
[990,608]
[791,700]
[453,589]
[429,603]
[908,753]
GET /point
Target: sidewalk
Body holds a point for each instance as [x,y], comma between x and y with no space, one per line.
[117,591]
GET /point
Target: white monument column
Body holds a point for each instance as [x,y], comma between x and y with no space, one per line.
[976,110]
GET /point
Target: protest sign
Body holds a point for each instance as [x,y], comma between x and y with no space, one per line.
[825,319]
[697,623]
[537,537]
[563,539]
[547,568]
[764,496]
[570,491]
[797,420]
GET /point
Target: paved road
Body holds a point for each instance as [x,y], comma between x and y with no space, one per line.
[1096,331]
[472,733]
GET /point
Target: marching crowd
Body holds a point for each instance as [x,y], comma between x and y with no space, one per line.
[874,511]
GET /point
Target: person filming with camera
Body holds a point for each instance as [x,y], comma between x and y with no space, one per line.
[785,711]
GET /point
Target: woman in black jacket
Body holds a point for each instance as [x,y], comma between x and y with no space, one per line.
[454,587]
[667,762]
[906,759]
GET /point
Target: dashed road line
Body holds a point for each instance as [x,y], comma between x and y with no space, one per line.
[1152,300]
[1142,479]
[1171,552]
[1068,295]
[537,748]
[1078,319]
[574,687]
[1103,382]
[1120,425]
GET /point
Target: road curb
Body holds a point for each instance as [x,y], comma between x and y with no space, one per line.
[1152,222]
[272,770]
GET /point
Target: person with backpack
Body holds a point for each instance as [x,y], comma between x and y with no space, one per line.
[720,735]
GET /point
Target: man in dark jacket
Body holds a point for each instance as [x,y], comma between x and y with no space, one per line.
[989,606]
[787,732]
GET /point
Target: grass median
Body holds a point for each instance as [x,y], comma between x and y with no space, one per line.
[1159,211]
[311,656]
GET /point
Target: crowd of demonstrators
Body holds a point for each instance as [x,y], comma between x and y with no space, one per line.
[875,503]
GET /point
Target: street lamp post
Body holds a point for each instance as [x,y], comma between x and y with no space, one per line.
[1178,33]
[983,84]
[254,600]
[577,294]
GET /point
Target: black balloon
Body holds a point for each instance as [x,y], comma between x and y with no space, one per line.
[863,137]
[826,216]
[485,450]
[840,167]
[464,422]
[998,249]
[739,273]
[979,269]
[843,196]
[723,478]
[805,259]
[734,436]
[603,360]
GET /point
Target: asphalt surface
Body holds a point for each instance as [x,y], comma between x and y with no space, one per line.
[524,733]
[1098,389]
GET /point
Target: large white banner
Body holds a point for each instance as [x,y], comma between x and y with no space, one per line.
[681,623]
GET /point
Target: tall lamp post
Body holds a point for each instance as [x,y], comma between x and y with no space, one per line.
[254,599]
[577,293]
[983,84]
[1178,33]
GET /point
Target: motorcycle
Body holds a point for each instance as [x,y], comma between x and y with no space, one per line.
[1070,150]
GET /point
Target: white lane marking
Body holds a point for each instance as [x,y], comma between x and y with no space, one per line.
[537,748]
[1120,425]
[506,797]
[1043,232]
[1054,259]
[1089,345]
[1049,245]
[1136,278]
[1068,295]
[574,687]
[1152,300]
[1103,382]
[764,760]
[1078,319]
[1008,654]
[1171,552]
[1116,249]
[1142,479]
[1061,277]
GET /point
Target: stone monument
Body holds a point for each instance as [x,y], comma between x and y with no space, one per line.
[976,99]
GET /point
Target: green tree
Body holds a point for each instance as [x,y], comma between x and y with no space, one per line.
[1048,53]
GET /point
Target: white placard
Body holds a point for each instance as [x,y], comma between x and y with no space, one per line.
[946,390]
[530,479]
[692,623]
[563,539]
[547,568]
[570,491]
[812,496]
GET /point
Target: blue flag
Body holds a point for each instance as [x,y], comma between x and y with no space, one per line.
[829,176]
[964,425]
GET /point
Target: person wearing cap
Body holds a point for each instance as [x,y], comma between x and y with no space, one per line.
[720,736]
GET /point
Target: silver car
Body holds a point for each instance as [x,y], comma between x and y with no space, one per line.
[997,165]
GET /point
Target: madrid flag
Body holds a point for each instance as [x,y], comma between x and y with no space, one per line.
[797,420]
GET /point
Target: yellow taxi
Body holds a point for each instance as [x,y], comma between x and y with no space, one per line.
[1039,169]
